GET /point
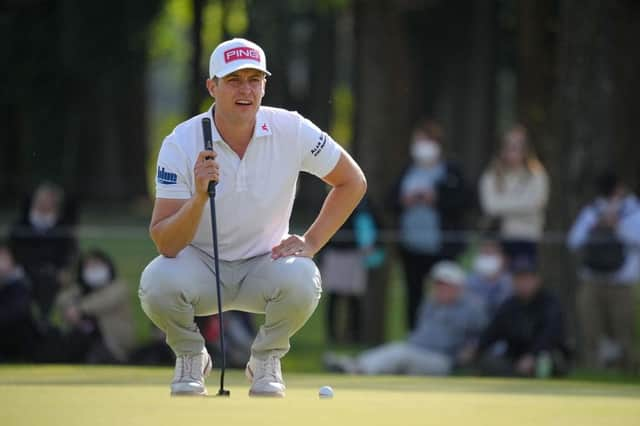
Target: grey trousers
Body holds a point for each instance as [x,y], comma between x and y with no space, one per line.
[404,358]
[174,290]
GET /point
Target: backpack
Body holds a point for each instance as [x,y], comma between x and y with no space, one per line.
[604,252]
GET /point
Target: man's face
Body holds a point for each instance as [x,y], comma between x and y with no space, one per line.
[239,94]
[45,202]
[445,293]
[526,285]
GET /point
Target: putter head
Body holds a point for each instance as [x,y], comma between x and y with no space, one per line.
[224,393]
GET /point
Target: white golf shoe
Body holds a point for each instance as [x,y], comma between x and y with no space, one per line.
[190,373]
[266,377]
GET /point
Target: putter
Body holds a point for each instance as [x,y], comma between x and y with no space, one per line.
[208,145]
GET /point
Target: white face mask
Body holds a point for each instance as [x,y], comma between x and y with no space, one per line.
[487,265]
[42,221]
[425,152]
[96,276]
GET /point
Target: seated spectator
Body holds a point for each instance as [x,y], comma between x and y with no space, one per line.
[430,199]
[449,323]
[490,281]
[514,191]
[607,235]
[98,311]
[19,334]
[43,243]
[526,337]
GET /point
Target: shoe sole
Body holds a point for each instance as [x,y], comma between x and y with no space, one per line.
[266,394]
[205,393]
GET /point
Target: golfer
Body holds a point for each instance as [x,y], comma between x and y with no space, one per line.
[259,152]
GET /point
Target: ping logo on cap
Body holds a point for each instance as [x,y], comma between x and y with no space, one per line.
[241,53]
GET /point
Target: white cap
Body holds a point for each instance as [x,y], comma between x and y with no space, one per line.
[448,272]
[236,54]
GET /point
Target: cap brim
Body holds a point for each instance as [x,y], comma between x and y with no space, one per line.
[230,70]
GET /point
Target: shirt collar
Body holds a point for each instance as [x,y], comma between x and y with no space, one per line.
[263,126]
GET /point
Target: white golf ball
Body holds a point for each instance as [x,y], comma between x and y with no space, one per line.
[325,392]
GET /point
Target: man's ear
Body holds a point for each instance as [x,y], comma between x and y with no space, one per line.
[212,85]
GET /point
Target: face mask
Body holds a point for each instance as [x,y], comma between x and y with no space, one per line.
[96,276]
[42,221]
[487,265]
[425,152]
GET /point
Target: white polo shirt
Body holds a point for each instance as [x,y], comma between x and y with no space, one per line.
[255,194]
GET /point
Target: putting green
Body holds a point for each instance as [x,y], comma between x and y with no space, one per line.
[94,396]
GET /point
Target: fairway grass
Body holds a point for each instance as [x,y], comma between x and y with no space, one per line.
[94,396]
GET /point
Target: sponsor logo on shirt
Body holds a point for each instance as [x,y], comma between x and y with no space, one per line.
[241,53]
[166,178]
[322,141]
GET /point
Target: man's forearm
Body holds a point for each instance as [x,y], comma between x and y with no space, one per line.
[175,232]
[339,204]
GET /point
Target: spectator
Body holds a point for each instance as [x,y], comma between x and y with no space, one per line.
[450,323]
[526,337]
[490,281]
[43,243]
[98,310]
[430,199]
[607,234]
[19,332]
[514,192]
[345,266]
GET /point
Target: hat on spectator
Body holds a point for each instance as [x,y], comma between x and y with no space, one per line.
[448,272]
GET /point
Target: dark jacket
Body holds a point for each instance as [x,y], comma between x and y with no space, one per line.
[18,328]
[453,200]
[527,327]
[44,251]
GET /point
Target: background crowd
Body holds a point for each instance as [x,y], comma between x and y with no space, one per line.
[475,300]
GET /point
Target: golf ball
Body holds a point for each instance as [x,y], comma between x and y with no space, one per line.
[325,392]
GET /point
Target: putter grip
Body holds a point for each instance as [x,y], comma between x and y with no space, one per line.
[208,145]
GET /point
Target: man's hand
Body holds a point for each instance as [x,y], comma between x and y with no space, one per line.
[526,365]
[206,170]
[295,245]
[72,315]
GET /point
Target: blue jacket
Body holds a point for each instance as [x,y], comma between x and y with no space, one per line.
[628,231]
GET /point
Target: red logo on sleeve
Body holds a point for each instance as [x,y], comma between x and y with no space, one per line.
[241,53]
[265,128]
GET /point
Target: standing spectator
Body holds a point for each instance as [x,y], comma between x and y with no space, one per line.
[513,192]
[19,332]
[607,233]
[345,266]
[430,199]
[99,309]
[490,280]
[43,243]
[528,328]
[450,323]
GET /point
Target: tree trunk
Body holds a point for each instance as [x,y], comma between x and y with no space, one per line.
[196,90]
[382,126]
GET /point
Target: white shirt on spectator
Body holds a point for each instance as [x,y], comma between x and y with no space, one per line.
[255,194]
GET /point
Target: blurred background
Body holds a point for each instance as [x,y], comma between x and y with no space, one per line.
[90,89]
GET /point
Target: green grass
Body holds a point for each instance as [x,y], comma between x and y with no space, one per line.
[81,395]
